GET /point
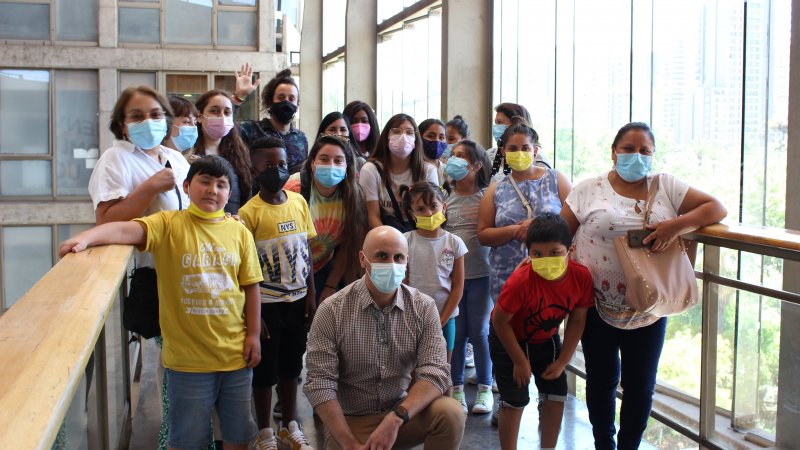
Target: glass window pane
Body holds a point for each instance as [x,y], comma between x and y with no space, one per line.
[76,20]
[333,86]
[68,231]
[24,100]
[236,28]
[24,21]
[237,2]
[27,256]
[76,134]
[189,86]
[333,24]
[188,22]
[25,178]
[139,25]
[128,79]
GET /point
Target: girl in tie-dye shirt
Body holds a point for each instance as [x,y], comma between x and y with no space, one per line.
[328,182]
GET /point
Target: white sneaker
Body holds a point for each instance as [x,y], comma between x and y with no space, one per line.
[484,401]
[470,356]
[458,394]
[473,379]
[292,438]
[266,440]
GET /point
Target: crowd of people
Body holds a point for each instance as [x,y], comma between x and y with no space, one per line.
[376,258]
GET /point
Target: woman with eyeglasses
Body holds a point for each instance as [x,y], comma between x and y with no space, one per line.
[337,124]
[138,176]
[218,136]
[397,161]
[328,183]
[621,345]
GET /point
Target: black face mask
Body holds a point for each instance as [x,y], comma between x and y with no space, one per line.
[273,178]
[283,111]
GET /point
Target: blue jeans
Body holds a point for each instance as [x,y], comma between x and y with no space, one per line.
[472,322]
[191,399]
[638,351]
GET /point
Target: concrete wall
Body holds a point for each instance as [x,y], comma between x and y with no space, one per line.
[361,52]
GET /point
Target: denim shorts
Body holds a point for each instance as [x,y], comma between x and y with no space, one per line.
[191,399]
[540,356]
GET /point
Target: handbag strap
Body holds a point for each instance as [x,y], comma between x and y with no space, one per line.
[522,198]
[397,213]
[651,198]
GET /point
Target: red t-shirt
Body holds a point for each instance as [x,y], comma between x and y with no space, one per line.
[539,306]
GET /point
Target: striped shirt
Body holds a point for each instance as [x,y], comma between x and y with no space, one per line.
[363,356]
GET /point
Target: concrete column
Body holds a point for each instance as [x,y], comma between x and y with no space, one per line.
[107,95]
[311,67]
[266,26]
[467,64]
[361,52]
[107,23]
[788,433]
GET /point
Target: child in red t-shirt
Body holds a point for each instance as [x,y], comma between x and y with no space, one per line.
[524,340]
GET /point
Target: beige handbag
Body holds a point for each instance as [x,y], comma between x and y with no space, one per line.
[661,284]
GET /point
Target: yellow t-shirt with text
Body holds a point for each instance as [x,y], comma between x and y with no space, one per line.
[201,269]
[281,233]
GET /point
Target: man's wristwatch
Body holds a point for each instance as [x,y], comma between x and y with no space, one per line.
[401,412]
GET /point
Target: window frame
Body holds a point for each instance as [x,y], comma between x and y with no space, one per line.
[53,33]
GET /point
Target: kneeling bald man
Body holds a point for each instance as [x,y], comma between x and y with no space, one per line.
[364,344]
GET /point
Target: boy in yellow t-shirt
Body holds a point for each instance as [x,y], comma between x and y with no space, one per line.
[208,275]
[282,226]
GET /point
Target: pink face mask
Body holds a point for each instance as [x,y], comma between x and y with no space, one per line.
[402,144]
[217,127]
[361,131]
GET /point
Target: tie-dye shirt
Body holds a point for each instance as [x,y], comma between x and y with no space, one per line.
[328,217]
[543,197]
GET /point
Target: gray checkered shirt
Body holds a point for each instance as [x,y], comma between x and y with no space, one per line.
[363,356]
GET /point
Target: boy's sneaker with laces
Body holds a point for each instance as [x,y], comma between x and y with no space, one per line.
[470,356]
[291,437]
[265,440]
[458,395]
[484,400]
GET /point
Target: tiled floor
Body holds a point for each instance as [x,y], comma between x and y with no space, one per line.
[479,435]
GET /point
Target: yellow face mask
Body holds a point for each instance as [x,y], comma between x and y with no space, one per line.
[430,223]
[196,211]
[550,267]
[520,160]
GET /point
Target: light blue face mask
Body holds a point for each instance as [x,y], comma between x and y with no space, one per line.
[186,138]
[448,151]
[148,133]
[633,166]
[386,277]
[456,168]
[497,130]
[329,176]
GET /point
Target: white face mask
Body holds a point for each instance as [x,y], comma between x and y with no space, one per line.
[402,145]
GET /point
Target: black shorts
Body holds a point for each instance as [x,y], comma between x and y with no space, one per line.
[282,353]
[540,356]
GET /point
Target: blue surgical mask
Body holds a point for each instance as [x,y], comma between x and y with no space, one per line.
[433,149]
[633,166]
[449,150]
[148,133]
[329,176]
[186,138]
[386,277]
[497,130]
[456,168]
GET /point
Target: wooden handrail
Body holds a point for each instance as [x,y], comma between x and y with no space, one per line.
[46,340]
[769,241]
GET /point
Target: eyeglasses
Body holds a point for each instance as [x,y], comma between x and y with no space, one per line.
[338,137]
[138,116]
[399,131]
